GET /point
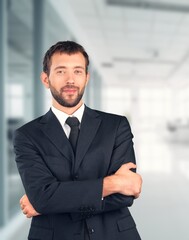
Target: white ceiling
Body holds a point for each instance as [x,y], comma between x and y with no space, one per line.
[146,42]
[129,41]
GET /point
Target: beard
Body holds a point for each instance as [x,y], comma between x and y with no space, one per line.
[58,96]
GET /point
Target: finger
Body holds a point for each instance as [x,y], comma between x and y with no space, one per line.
[22,206]
[22,198]
[24,212]
[136,196]
[130,165]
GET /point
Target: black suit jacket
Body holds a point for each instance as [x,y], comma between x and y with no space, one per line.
[67,190]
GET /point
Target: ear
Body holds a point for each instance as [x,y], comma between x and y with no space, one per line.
[45,79]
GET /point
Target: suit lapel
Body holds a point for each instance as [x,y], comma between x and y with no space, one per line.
[89,126]
[53,130]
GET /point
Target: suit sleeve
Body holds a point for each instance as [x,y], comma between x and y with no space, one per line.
[123,152]
[45,192]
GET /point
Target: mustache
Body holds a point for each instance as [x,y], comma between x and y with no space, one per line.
[69,87]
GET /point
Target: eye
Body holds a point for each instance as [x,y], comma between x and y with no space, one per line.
[78,71]
[60,72]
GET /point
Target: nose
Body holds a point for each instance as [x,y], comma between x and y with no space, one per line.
[70,78]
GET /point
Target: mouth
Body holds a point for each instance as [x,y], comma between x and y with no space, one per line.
[70,91]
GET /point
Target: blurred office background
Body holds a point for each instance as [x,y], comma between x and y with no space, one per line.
[139,53]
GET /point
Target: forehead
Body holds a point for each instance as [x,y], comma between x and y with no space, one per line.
[68,60]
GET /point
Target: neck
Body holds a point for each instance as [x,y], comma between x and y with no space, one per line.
[67,110]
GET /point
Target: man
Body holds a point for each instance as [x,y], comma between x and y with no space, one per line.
[76,187]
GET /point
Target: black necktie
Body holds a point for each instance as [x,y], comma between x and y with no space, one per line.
[73,122]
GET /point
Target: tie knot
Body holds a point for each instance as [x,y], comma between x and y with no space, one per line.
[72,122]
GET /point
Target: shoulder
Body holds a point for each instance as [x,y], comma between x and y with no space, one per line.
[107,115]
[29,125]
[117,123]
[110,120]
[35,124]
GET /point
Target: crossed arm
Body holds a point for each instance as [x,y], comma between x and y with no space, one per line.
[124,181]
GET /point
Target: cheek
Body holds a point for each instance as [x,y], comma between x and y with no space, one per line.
[54,83]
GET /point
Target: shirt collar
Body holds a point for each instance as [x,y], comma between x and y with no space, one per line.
[62,116]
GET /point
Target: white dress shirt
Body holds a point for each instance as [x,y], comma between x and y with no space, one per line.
[62,116]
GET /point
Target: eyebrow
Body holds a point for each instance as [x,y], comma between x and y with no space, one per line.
[60,67]
[79,67]
[64,67]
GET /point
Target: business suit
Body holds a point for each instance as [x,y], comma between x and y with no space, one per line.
[67,190]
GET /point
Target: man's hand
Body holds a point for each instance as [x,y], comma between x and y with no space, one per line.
[129,183]
[27,208]
[124,181]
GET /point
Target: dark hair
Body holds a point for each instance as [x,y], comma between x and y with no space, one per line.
[68,47]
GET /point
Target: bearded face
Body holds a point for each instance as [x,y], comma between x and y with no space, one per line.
[67,96]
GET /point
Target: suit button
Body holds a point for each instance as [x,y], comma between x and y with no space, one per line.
[76,177]
[91,230]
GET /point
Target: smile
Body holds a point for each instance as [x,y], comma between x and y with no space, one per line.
[70,90]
